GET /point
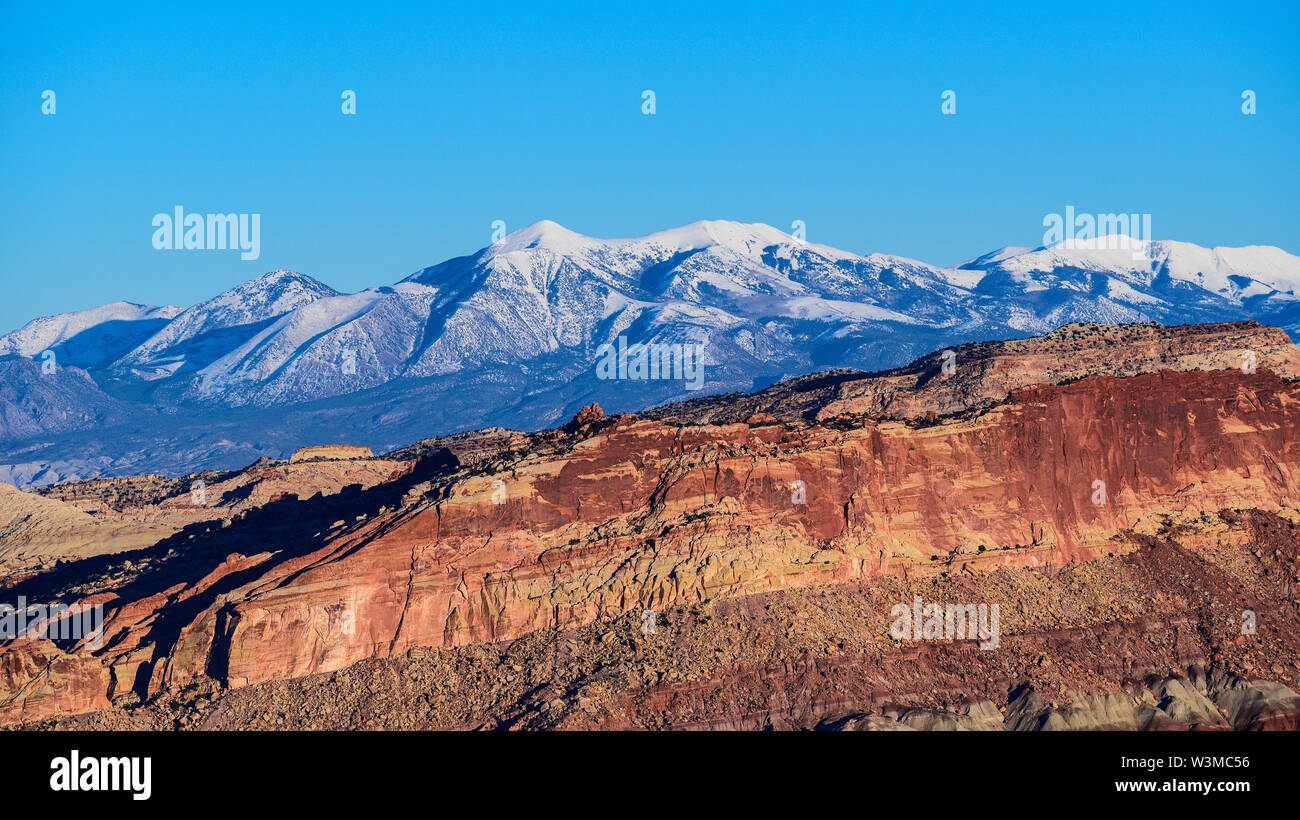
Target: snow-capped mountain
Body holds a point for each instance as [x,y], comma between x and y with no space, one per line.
[750,291]
[197,336]
[1117,278]
[1233,273]
[115,320]
[761,300]
[512,334]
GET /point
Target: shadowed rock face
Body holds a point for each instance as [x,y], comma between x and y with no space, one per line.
[584,528]
[1149,638]
[68,522]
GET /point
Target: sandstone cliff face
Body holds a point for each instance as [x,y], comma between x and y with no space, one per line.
[330,452]
[983,374]
[987,373]
[624,514]
[113,515]
[1150,638]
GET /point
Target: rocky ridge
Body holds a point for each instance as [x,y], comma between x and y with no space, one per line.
[511,336]
[541,539]
[982,374]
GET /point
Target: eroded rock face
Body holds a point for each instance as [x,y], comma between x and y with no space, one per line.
[587,415]
[112,515]
[32,524]
[983,374]
[330,452]
[1148,638]
[632,514]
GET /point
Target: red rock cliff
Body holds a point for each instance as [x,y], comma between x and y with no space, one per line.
[638,514]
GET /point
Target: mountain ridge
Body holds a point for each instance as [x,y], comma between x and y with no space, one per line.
[1130,496]
[510,334]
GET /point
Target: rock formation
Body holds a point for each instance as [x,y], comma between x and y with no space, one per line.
[330,452]
[1123,520]
[980,375]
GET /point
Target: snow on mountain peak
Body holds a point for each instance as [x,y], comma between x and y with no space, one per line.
[272,294]
[1104,242]
[1233,273]
[544,234]
[41,334]
[750,288]
[285,280]
[746,239]
[1005,252]
[709,232]
[740,236]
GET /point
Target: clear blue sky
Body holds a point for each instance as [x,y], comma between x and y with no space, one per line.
[466,113]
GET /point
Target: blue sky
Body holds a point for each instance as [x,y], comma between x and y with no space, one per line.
[825,113]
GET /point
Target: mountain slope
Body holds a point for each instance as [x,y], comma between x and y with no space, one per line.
[517,334]
[207,331]
[1121,279]
[42,334]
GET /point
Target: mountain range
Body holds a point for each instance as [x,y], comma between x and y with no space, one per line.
[510,336]
[1112,507]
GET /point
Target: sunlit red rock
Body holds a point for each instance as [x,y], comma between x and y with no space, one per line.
[623,514]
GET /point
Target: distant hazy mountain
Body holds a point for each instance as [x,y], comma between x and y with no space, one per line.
[512,335]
